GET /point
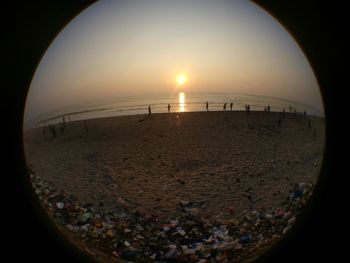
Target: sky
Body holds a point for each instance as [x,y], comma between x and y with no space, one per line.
[121,48]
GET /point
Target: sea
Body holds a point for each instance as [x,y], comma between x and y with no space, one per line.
[179,102]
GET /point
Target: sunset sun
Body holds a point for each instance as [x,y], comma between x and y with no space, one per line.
[181,79]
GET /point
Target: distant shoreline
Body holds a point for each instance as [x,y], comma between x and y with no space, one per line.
[59,117]
[192,102]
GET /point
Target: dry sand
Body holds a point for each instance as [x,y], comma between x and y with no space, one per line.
[229,161]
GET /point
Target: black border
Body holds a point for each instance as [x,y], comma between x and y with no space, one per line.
[30,28]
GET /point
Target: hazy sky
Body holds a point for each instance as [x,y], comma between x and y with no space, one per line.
[118,48]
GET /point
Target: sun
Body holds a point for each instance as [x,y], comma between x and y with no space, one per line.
[181,79]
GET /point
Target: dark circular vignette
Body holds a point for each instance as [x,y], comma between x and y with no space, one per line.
[305,43]
[32,29]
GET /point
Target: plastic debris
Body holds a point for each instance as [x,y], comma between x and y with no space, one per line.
[84,218]
[247,238]
[126,243]
[110,233]
[173,253]
[181,231]
[205,252]
[186,238]
[279,212]
[60,205]
[188,251]
[85,227]
[173,222]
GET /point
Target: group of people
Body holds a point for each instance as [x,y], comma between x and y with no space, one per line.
[247,108]
[52,128]
[62,126]
[206,107]
[231,106]
[267,108]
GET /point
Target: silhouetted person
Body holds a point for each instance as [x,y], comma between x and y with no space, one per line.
[61,128]
[265,109]
[224,108]
[268,108]
[149,110]
[53,131]
[168,107]
[207,106]
[305,114]
[231,105]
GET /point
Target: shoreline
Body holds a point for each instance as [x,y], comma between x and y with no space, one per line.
[59,117]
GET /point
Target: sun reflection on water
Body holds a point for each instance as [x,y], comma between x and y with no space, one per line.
[182,102]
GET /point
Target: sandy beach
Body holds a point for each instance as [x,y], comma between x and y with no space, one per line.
[228,162]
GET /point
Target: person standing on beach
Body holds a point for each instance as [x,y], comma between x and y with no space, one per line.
[265,109]
[231,105]
[149,110]
[53,131]
[61,128]
[224,108]
[247,108]
[268,108]
[207,106]
[169,108]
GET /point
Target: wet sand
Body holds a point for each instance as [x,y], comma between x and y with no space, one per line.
[228,162]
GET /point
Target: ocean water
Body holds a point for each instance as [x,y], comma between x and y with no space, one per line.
[179,102]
